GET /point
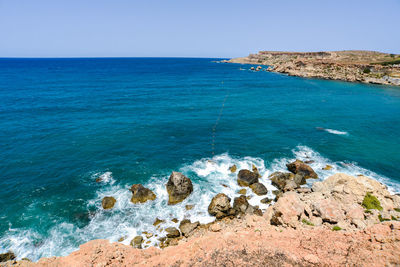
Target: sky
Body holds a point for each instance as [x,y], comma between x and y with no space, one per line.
[200,28]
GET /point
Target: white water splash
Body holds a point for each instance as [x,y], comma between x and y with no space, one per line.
[209,175]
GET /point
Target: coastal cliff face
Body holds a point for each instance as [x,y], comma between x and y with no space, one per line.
[343,220]
[353,66]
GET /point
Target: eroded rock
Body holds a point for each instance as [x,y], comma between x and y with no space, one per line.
[137,241]
[299,167]
[247,178]
[187,227]
[220,206]
[179,187]
[141,194]
[259,189]
[108,202]
[172,232]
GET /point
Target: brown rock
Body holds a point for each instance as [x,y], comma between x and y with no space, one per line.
[242,191]
[187,227]
[158,221]
[172,232]
[327,168]
[141,194]
[266,200]
[259,189]
[175,220]
[240,204]
[246,177]
[108,202]
[137,242]
[301,168]
[189,207]
[220,206]
[8,256]
[179,187]
[233,168]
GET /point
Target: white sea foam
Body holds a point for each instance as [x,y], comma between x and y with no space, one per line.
[209,175]
[332,131]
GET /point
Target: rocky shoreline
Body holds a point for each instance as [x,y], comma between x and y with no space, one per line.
[343,220]
[353,66]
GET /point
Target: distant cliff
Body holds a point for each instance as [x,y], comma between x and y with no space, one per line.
[352,65]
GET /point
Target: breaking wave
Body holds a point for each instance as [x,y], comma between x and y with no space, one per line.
[126,220]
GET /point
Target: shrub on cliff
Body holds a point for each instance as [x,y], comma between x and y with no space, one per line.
[371,202]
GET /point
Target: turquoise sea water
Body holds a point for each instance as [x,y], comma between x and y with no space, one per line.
[66,122]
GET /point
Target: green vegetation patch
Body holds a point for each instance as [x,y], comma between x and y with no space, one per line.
[307,222]
[366,70]
[382,219]
[390,62]
[394,218]
[397,209]
[336,228]
[371,202]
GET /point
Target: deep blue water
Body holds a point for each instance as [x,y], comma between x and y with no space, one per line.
[65,122]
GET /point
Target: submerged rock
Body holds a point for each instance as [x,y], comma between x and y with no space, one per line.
[141,194]
[247,178]
[189,207]
[179,187]
[327,168]
[137,242]
[259,189]
[108,202]
[220,206]
[242,191]
[299,167]
[266,200]
[187,227]
[8,256]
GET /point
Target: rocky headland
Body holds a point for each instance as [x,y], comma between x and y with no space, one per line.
[340,221]
[352,65]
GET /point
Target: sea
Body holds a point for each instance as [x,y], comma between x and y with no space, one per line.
[66,122]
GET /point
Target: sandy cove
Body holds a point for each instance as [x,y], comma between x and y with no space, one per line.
[343,220]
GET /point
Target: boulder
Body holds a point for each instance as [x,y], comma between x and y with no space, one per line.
[299,167]
[327,168]
[189,207]
[179,187]
[287,210]
[259,189]
[141,194]
[329,210]
[255,170]
[108,203]
[8,256]
[266,200]
[240,204]
[220,206]
[137,242]
[242,191]
[286,181]
[187,227]
[172,232]
[246,177]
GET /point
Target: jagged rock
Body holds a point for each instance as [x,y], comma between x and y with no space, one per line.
[266,200]
[240,204]
[329,210]
[8,256]
[299,167]
[233,168]
[179,187]
[175,220]
[220,206]
[287,210]
[286,181]
[137,242]
[172,232]
[187,227]
[158,221]
[255,170]
[259,189]
[108,202]
[141,194]
[246,177]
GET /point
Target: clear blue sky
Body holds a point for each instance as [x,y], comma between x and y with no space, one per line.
[198,28]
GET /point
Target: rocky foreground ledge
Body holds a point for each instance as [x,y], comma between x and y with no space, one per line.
[341,221]
[352,65]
